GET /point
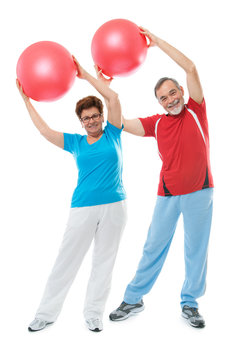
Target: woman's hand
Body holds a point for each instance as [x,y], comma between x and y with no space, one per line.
[81,73]
[23,95]
[101,77]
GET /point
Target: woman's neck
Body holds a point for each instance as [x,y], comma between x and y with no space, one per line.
[95,137]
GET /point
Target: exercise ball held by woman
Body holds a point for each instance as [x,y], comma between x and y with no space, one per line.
[46,71]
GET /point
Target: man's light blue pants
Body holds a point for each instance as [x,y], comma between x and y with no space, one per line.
[197,216]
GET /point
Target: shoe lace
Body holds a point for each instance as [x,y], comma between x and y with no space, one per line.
[121,306]
[195,312]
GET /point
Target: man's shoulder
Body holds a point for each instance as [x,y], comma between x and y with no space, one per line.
[192,104]
[152,118]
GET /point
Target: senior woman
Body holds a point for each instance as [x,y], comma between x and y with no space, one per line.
[98,207]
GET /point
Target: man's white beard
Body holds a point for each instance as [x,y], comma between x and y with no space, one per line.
[176,110]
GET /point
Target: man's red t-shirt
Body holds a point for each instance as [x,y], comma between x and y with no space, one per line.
[183,144]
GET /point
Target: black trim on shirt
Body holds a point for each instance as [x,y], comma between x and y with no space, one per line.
[206,181]
[166,191]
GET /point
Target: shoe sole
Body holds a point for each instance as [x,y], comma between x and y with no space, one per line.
[47,325]
[195,326]
[96,330]
[92,328]
[131,313]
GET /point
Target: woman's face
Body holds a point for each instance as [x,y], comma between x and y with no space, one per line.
[92,120]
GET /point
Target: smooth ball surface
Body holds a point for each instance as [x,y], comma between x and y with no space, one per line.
[46,71]
[118,47]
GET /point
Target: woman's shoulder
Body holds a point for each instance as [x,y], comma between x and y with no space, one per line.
[112,129]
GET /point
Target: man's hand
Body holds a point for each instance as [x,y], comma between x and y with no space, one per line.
[152,38]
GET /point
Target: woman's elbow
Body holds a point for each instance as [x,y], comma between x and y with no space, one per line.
[114,100]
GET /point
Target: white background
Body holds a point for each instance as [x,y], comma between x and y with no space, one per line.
[37,181]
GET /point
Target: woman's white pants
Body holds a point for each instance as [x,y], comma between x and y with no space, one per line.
[104,224]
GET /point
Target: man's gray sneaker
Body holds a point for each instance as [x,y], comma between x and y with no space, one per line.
[193,316]
[38,324]
[125,310]
[94,324]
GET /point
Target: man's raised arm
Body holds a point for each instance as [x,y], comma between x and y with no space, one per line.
[193,81]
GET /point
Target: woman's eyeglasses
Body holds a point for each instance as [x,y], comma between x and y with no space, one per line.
[86,119]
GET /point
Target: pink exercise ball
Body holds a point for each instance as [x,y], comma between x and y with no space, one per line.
[118,47]
[46,71]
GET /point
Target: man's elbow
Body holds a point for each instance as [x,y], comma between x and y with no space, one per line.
[191,68]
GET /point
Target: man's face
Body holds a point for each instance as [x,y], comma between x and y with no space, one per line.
[170,97]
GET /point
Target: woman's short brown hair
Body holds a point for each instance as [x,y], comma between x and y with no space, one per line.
[87,103]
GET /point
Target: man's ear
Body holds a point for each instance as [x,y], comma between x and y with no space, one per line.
[182,90]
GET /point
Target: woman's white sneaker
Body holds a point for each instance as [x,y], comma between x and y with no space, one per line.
[38,324]
[94,324]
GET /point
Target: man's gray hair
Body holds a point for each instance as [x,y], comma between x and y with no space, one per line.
[162,80]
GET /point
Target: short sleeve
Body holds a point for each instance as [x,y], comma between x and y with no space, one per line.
[200,110]
[113,130]
[149,124]
[71,142]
